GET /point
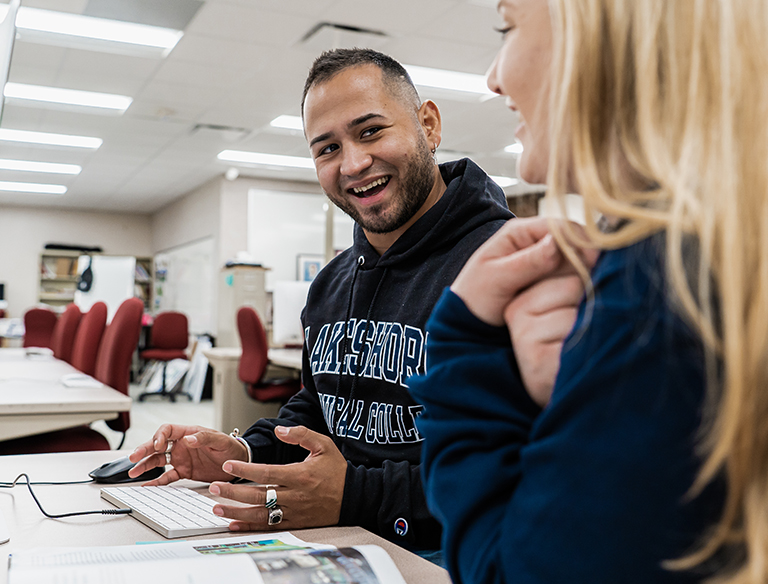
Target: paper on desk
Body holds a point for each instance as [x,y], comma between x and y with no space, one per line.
[80,380]
[199,570]
[72,556]
[263,559]
[42,353]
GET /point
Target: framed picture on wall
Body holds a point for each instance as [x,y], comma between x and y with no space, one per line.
[307,266]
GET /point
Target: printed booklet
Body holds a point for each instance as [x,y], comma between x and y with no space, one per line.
[276,558]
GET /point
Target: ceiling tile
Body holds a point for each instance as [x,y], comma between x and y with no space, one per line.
[249,24]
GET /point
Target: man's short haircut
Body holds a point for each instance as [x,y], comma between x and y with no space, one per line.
[330,63]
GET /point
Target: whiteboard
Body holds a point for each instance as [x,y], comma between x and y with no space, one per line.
[113,280]
[284,225]
[184,282]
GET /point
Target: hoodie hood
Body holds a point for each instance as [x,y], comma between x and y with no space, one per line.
[449,220]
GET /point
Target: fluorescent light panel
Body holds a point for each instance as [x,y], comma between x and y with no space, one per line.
[266,159]
[505,181]
[33,166]
[450,80]
[49,139]
[102,29]
[41,189]
[288,122]
[67,96]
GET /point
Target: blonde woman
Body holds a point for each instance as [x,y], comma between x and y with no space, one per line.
[648,460]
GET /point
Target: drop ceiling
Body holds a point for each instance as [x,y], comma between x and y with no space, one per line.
[239,65]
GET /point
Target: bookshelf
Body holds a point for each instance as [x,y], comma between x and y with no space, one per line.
[58,277]
[142,283]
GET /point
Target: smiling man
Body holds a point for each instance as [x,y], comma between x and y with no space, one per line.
[350,433]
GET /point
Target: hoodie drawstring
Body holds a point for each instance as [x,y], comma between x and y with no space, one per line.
[339,440]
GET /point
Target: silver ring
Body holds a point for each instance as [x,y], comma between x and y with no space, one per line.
[169,446]
[275,516]
[271,499]
[167,458]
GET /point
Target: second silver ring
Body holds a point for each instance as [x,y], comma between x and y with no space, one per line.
[167,458]
[271,499]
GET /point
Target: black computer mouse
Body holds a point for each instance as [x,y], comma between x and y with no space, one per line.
[117,472]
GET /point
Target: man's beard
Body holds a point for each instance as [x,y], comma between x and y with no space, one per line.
[415,185]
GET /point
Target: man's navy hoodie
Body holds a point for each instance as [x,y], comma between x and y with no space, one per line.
[369,312]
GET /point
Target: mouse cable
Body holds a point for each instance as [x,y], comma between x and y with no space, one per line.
[4,485]
[61,515]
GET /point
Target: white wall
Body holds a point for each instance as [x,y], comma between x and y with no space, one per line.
[25,230]
[298,221]
[234,210]
[574,208]
[216,210]
[190,218]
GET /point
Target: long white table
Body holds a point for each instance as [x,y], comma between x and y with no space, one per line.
[34,400]
[29,528]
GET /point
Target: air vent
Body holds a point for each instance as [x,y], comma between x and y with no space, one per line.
[325,36]
[227,133]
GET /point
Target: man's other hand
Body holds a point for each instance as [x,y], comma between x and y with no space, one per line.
[308,492]
[193,452]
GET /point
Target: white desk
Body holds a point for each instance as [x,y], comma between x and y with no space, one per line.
[232,406]
[33,400]
[30,529]
[288,358]
[11,332]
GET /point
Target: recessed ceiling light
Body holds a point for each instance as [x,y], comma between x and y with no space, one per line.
[504,181]
[266,159]
[33,166]
[23,187]
[287,122]
[49,139]
[450,80]
[110,101]
[516,148]
[88,32]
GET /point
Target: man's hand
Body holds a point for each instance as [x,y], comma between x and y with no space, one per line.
[519,254]
[195,453]
[308,492]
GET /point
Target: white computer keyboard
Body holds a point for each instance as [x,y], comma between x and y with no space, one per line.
[171,511]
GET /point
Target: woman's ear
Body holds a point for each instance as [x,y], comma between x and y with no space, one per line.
[429,118]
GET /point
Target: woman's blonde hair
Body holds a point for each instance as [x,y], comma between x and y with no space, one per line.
[660,109]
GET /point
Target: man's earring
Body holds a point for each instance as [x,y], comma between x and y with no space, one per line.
[434,153]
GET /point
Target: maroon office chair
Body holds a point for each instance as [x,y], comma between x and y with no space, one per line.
[113,366]
[38,327]
[113,363]
[63,338]
[253,362]
[88,337]
[168,340]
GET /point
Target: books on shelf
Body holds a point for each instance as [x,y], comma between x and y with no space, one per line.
[52,267]
[260,558]
[142,274]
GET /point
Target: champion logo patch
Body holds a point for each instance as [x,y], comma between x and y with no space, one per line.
[401,527]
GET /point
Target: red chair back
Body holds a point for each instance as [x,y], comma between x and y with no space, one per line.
[253,338]
[38,327]
[113,363]
[88,337]
[170,331]
[64,332]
